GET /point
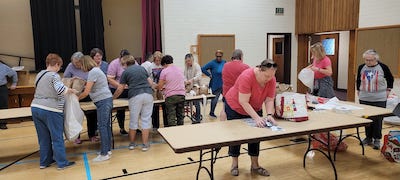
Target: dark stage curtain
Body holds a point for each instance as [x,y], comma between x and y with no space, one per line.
[92,28]
[54,31]
[151,27]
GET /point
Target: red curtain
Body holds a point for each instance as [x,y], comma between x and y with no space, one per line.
[151,27]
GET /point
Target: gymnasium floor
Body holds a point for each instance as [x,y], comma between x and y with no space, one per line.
[282,158]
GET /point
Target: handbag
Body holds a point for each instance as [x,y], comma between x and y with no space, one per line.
[391,146]
[291,106]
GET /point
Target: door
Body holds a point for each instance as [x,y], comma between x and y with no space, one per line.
[331,45]
[278,57]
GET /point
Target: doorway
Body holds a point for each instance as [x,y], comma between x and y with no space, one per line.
[279,48]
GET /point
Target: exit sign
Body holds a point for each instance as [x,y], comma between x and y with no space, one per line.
[279,11]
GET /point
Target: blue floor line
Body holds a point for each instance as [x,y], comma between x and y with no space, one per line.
[87,167]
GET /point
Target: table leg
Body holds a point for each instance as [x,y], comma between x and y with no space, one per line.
[348,135]
[213,153]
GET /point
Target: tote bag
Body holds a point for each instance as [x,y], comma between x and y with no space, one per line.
[291,106]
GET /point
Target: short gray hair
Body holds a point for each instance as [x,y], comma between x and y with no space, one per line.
[371,52]
[77,55]
[237,54]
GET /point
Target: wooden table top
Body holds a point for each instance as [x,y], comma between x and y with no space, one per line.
[224,133]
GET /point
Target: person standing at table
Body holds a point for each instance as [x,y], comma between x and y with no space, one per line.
[213,69]
[97,89]
[114,73]
[322,67]
[192,75]
[5,72]
[47,114]
[172,83]
[230,73]
[374,83]
[140,99]
[74,70]
[155,70]
[253,88]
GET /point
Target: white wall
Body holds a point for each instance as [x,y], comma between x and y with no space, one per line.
[250,21]
[379,13]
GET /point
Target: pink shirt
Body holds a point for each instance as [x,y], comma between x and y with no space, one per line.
[174,81]
[321,64]
[115,69]
[230,73]
[246,83]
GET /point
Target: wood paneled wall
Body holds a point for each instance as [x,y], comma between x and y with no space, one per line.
[313,16]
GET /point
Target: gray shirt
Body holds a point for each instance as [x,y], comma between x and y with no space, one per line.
[100,88]
[49,92]
[136,78]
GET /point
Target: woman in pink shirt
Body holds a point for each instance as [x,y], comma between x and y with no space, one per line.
[253,88]
[172,83]
[322,67]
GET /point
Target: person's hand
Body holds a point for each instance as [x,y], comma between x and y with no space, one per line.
[73,91]
[12,87]
[154,86]
[260,122]
[271,119]
[188,82]
[315,68]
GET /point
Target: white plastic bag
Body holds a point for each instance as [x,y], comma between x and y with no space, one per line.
[306,76]
[73,117]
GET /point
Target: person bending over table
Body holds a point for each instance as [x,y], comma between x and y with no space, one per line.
[172,83]
[374,83]
[47,114]
[253,87]
[97,89]
[5,72]
[140,99]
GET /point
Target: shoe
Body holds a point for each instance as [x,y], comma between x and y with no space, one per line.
[131,146]
[145,147]
[123,132]
[213,116]
[138,131]
[94,139]
[69,164]
[78,141]
[367,141]
[43,167]
[3,126]
[260,171]
[100,158]
[377,144]
[108,153]
[235,171]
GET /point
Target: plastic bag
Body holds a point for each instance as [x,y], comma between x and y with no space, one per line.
[73,117]
[306,76]
[323,137]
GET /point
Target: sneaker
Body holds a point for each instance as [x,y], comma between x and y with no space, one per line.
[377,144]
[131,146]
[145,147]
[108,153]
[213,116]
[123,132]
[78,141]
[3,126]
[138,131]
[367,141]
[67,166]
[43,167]
[100,158]
[94,139]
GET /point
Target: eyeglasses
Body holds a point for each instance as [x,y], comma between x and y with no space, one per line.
[219,56]
[269,65]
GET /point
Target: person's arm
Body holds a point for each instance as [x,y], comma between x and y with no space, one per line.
[198,72]
[112,81]
[205,69]
[118,91]
[327,70]
[244,102]
[269,107]
[87,90]
[389,78]
[160,84]
[14,76]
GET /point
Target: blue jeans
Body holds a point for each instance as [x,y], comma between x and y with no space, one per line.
[214,101]
[104,108]
[50,127]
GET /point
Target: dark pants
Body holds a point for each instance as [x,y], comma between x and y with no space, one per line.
[234,151]
[3,100]
[91,120]
[214,101]
[155,116]
[375,129]
[121,113]
[175,109]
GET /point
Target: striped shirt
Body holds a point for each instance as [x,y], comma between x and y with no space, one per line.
[49,92]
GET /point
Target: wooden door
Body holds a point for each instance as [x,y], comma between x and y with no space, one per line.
[278,57]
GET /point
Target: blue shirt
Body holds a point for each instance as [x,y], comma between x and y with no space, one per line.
[213,69]
[5,72]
